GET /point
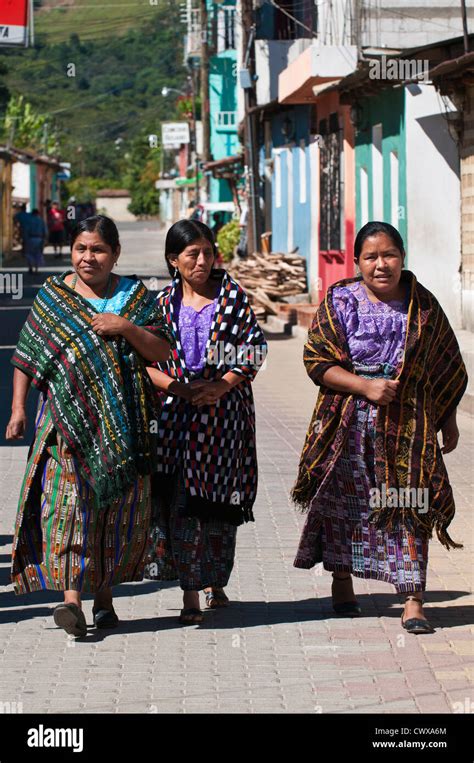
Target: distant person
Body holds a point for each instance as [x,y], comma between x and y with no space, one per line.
[218,223]
[243,222]
[35,237]
[56,218]
[21,219]
[190,209]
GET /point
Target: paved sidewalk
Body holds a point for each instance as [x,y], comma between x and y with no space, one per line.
[277,648]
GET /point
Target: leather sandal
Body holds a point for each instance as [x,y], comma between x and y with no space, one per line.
[191,616]
[70,618]
[216,599]
[416,625]
[105,618]
[346,608]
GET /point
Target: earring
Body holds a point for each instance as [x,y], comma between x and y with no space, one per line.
[176,272]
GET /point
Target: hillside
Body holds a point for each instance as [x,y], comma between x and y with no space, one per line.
[120,54]
[56,20]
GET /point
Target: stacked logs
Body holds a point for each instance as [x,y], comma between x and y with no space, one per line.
[270,278]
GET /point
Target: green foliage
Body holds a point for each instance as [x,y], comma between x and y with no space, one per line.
[228,238]
[143,168]
[27,128]
[122,57]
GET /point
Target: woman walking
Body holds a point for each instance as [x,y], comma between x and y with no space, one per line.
[84,510]
[207,466]
[371,475]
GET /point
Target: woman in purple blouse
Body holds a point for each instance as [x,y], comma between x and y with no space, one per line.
[372,311]
[207,468]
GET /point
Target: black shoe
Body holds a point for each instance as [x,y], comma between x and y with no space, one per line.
[416,625]
[71,618]
[346,608]
[105,618]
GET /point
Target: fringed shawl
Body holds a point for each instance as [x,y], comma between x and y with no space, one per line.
[433,380]
[101,397]
[214,444]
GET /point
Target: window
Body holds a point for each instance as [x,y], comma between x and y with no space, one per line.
[302,165]
[277,169]
[377,172]
[394,188]
[364,196]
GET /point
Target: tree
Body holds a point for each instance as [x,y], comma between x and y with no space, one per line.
[26,128]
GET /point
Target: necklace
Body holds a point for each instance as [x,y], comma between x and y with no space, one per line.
[107,291]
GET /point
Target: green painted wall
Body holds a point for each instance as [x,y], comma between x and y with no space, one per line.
[387,109]
[32,185]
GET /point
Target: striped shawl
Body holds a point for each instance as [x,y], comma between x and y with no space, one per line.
[433,380]
[214,443]
[101,397]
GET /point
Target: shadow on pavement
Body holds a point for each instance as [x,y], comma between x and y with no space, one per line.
[246,614]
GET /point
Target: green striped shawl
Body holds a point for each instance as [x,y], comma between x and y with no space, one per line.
[102,400]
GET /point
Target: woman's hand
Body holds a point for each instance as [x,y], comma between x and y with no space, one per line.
[381,391]
[17,425]
[209,392]
[108,324]
[186,390]
[450,434]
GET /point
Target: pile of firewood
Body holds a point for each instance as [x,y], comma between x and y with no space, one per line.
[270,277]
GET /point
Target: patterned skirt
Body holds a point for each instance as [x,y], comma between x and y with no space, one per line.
[61,541]
[198,554]
[337,531]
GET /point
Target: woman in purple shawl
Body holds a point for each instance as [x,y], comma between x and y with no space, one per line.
[356,352]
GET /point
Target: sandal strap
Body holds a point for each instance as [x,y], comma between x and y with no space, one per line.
[412,597]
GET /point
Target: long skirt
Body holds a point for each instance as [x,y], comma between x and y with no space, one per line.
[199,554]
[62,542]
[337,531]
[33,248]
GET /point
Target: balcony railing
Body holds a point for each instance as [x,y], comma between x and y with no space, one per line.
[226,120]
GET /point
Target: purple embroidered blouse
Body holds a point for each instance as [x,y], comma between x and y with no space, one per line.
[193,326]
[375,331]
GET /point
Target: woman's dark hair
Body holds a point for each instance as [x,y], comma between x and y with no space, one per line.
[183,234]
[100,224]
[371,229]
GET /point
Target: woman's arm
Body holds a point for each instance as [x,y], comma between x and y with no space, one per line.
[380,391]
[149,346]
[17,424]
[165,383]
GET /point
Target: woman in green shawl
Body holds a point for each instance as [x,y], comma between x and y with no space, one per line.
[84,508]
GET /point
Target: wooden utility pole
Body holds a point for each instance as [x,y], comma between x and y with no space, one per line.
[464,26]
[205,112]
[250,133]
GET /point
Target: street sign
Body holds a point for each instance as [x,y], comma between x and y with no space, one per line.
[173,134]
[65,171]
[14,22]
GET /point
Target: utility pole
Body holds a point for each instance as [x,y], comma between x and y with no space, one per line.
[205,114]
[356,31]
[250,140]
[192,84]
[464,26]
